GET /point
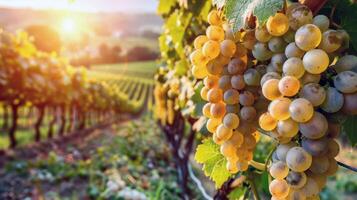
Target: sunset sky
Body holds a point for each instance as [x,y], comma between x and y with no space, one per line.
[85,5]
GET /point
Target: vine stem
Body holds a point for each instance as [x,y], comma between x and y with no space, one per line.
[347,166]
[269,156]
[257,165]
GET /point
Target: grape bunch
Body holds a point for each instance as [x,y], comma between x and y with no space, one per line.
[230,88]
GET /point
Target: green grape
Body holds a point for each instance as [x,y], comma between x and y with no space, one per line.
[218,110]
[287,128]
[298,159]
[200,41]
[270,89]
[308,37]
[278,24]
[228,48]
[223,132]
[206,110]
[262,34]
[301,110]
[294,67]
[346,82]
[315,147]
[293,51]
[225,82]
[261,52]
[231,121]
[246,98]
[331,41]
[289,86]
[233,108]
[277,61]
[289,36]
[310,78]
[268,76]
[277,45]
[319,165]
[314,93]
[279,188]
[267,122]
[299,16]
[296,180]
[252,77]
[231,96]
[322,22]
[279,170]
[315,128]
[215,33]
[311,188]
[333,101]
[211,49]
[282,150]
[346,63]
[237,82]
[349,104]
[279,108]
[215,95]
[237,66]
[248,113]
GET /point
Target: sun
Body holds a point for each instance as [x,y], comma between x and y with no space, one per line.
[68,26]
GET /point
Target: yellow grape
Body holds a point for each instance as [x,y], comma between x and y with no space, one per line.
[231,120]
[200,41]
[214,68]
[206,110]
[197,58]
[213,18]
[215,95]
[308,37]
[228,48]
[301,110]
[199,71]
[311,188]
[299,16]
[249,142]
[279,188]
[278,24]
[289,86]
[248,113]
[223,132]
[218,110]
[279,170]
[212,124]
[231,96]
[270,89]
[316,61]
[279,108]
[215,33]
[228,149]
[295,195]
[333,167]
[204,92]
[211,81]
[262,34]
[298,159]
[237,138]
[287,128]
[331,41]
[293,67]
[267,122]
[217,140]
[242,166]
[333,148]
[211,49]
[296,180]
[232,167]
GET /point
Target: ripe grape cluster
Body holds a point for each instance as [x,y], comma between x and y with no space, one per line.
[230,90]
[287,78]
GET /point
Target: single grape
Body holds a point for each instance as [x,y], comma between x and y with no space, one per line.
[268,76]
[262,34]
[319,165]
[316,61]
[233,108]
[289,86]
[299,16]
[231,96]
[223,132]
[315,147]
[237,138]
[212,124]
[232,167]
[199,71]
[248,113]
[237,82]
[279,170]
[215,95]
[261,52]
[252,77]
[294,67]
[215,33]
[225,82]
[206,110]
[211,81]
[293,51]
[308,37]
[334,129]
[333,148]
[246,98]
[211,49]
[262,69]
[298,159]
[287,128]
[270,89]
[320,179]
[242,166]
[231,121]
[241,51]
[249,142]
[331,41]
[217,140]
[346,63]
[350,105]
[311,188]
[197,58]
[237,66]
[346,82]
[301,110]
[277,61]
[228,48]
[278,24]
[279,188]
[218,110]
[279,108]
[296,180]
[282,150]
[310,78]
[322,22]
[267,122]
[213,68]
[277,45]
[333,167]
[333,101]
[228,149]
[200,41]
[213,18]
[314,93]
[289,36]
[315,128]
[204,92]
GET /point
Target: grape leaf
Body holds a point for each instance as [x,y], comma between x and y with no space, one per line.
[237,193]
[219,3]
[214,163]
[165,6]
[239,11]
[347,11]
[349,127]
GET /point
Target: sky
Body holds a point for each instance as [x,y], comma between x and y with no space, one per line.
[129,6]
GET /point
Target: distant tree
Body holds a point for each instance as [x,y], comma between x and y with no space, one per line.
[45,38]
[140,53]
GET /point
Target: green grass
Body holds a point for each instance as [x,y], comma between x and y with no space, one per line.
[127,43]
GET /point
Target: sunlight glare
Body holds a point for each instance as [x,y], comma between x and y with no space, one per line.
[68,26]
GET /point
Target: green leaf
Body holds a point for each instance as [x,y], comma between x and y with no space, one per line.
[349,127]
[237,193]
[198,101]
[219,3]
[347,11]
[165,6]
[239,11]
[214,163]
